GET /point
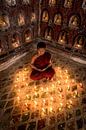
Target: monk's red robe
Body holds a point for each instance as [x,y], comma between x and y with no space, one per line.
[42,62]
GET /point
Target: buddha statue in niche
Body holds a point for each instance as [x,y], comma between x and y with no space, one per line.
[48,34]
[52,2]
[4,22]
[45,16]
[73,23]
[62,38]
[27,37]
[84,4]
[11,2]
[26,1]
[33,17]
[68,3]
[15,41]
[79,42]
[57,19]
[21,20]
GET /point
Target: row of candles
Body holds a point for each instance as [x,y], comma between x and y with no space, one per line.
[54,99]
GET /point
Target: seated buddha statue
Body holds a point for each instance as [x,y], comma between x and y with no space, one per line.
[68,3]
[21,20]
[48,35]
[62,38]
[52,2]
[15,42]
[79,43]
[27,37]
[57,19]
[73,23]
[11,2]
[45,16]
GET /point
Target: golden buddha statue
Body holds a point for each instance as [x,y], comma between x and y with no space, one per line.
[45,16]
[79,43]
[11,2]
[15,41]
[52,2]
[57,19]
[48,34]
[2,22]
[62,38]
[68,3]
[21,20]
[73,22]
[27,37]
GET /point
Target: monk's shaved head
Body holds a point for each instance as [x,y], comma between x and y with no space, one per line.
[41,45]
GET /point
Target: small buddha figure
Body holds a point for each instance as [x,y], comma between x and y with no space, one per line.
[33,17]
[45,16]
[48,34]
[4,22]
[84,4]
[57,19]
[26,1]
[73,22]
[27,37]
[79,43]
[68,3]
[21,20]
[15,41]
[52,2]
[62,38]
[11,2]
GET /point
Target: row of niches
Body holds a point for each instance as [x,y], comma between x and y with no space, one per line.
[16,40]
[79,42]
[14,2]
[67,3]
[74,21]
[5,21]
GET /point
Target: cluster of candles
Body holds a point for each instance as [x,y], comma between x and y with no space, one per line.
[49,97]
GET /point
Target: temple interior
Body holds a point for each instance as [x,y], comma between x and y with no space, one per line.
[57,104]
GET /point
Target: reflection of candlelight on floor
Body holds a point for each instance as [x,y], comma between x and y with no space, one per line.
[47,97]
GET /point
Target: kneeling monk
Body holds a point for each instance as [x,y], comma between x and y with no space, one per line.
[41,64]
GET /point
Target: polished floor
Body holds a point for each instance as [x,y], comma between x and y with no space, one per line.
[59,104]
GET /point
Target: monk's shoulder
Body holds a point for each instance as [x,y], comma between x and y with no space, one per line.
[34,57]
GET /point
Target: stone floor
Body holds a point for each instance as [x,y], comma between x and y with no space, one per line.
[50,105]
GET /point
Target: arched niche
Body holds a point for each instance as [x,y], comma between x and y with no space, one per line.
[74,21]
[15,40]
[62,39]
[21,19]
[52,2]
[11,2]
[68,3]
[27,36]
[45,16]
[58,19]
[79,42]
[84,4]
[48,33]
[4,22]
